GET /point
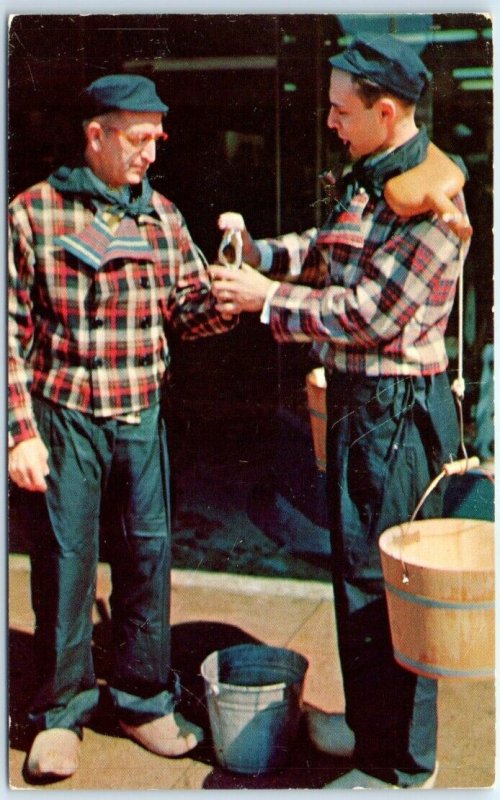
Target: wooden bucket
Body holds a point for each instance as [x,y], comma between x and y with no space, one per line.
[440,588]
[316,398]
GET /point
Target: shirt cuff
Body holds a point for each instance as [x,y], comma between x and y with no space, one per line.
[266,255]
[265,315]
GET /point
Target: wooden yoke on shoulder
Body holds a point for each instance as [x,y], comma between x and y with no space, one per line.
[429,187]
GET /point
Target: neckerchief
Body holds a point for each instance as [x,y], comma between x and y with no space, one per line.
[351,195]
[81,180]
[371,173]
[366,180]
[113,233]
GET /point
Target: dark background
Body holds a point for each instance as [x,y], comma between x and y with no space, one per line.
[248,104]
[248,97]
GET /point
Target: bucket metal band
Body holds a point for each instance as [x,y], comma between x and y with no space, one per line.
[429,602]
[433,670]
[319,414]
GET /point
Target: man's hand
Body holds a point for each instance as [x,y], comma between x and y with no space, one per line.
[239,290]
[28,464]
[231,220]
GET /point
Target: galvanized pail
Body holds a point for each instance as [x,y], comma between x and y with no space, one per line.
[254,696]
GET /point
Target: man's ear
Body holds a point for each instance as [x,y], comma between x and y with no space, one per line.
[387,109]
[94,135]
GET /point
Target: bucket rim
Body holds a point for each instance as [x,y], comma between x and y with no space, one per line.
[267,687]
[254,646]
[394,532]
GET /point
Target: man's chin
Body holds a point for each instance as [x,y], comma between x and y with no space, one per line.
[134,178]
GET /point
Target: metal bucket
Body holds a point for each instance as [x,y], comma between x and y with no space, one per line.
[254,698]
[440,587]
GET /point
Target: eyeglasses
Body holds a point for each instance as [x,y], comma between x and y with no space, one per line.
[139,140]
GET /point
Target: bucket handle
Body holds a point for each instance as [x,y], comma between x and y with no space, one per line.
[459,467]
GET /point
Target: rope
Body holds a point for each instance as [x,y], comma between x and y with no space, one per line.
[458,385]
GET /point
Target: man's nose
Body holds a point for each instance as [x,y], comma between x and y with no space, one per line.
[148,152]
[331,120]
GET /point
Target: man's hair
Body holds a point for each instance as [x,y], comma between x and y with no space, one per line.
[370,92]
[108,116]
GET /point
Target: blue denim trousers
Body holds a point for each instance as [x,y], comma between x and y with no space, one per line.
[93,460]
[386,439]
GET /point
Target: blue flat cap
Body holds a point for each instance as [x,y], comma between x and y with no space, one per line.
[120,92]
[387,61]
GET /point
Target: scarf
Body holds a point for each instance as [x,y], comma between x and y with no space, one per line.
[113,233]
[344,224]
[81,180]
[372,172]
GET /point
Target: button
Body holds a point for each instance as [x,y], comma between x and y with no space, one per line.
[145,361]
[146,322]
[97,362]
[97,322]
[144,282]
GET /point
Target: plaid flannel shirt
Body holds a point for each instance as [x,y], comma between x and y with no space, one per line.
[95,339]
[379,289]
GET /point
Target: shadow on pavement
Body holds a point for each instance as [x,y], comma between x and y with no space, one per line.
[192,642]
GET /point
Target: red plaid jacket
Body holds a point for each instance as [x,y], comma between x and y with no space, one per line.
[92,334]
[379,291]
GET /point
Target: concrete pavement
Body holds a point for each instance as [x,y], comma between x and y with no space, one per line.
[211,611]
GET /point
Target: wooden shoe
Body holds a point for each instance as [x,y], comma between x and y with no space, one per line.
[169,736]
[54,752]
[330,733]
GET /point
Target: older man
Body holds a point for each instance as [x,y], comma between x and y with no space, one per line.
[383,289]
[101,269]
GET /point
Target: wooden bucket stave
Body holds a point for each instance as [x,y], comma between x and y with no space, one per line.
[316,398]
[440,589]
